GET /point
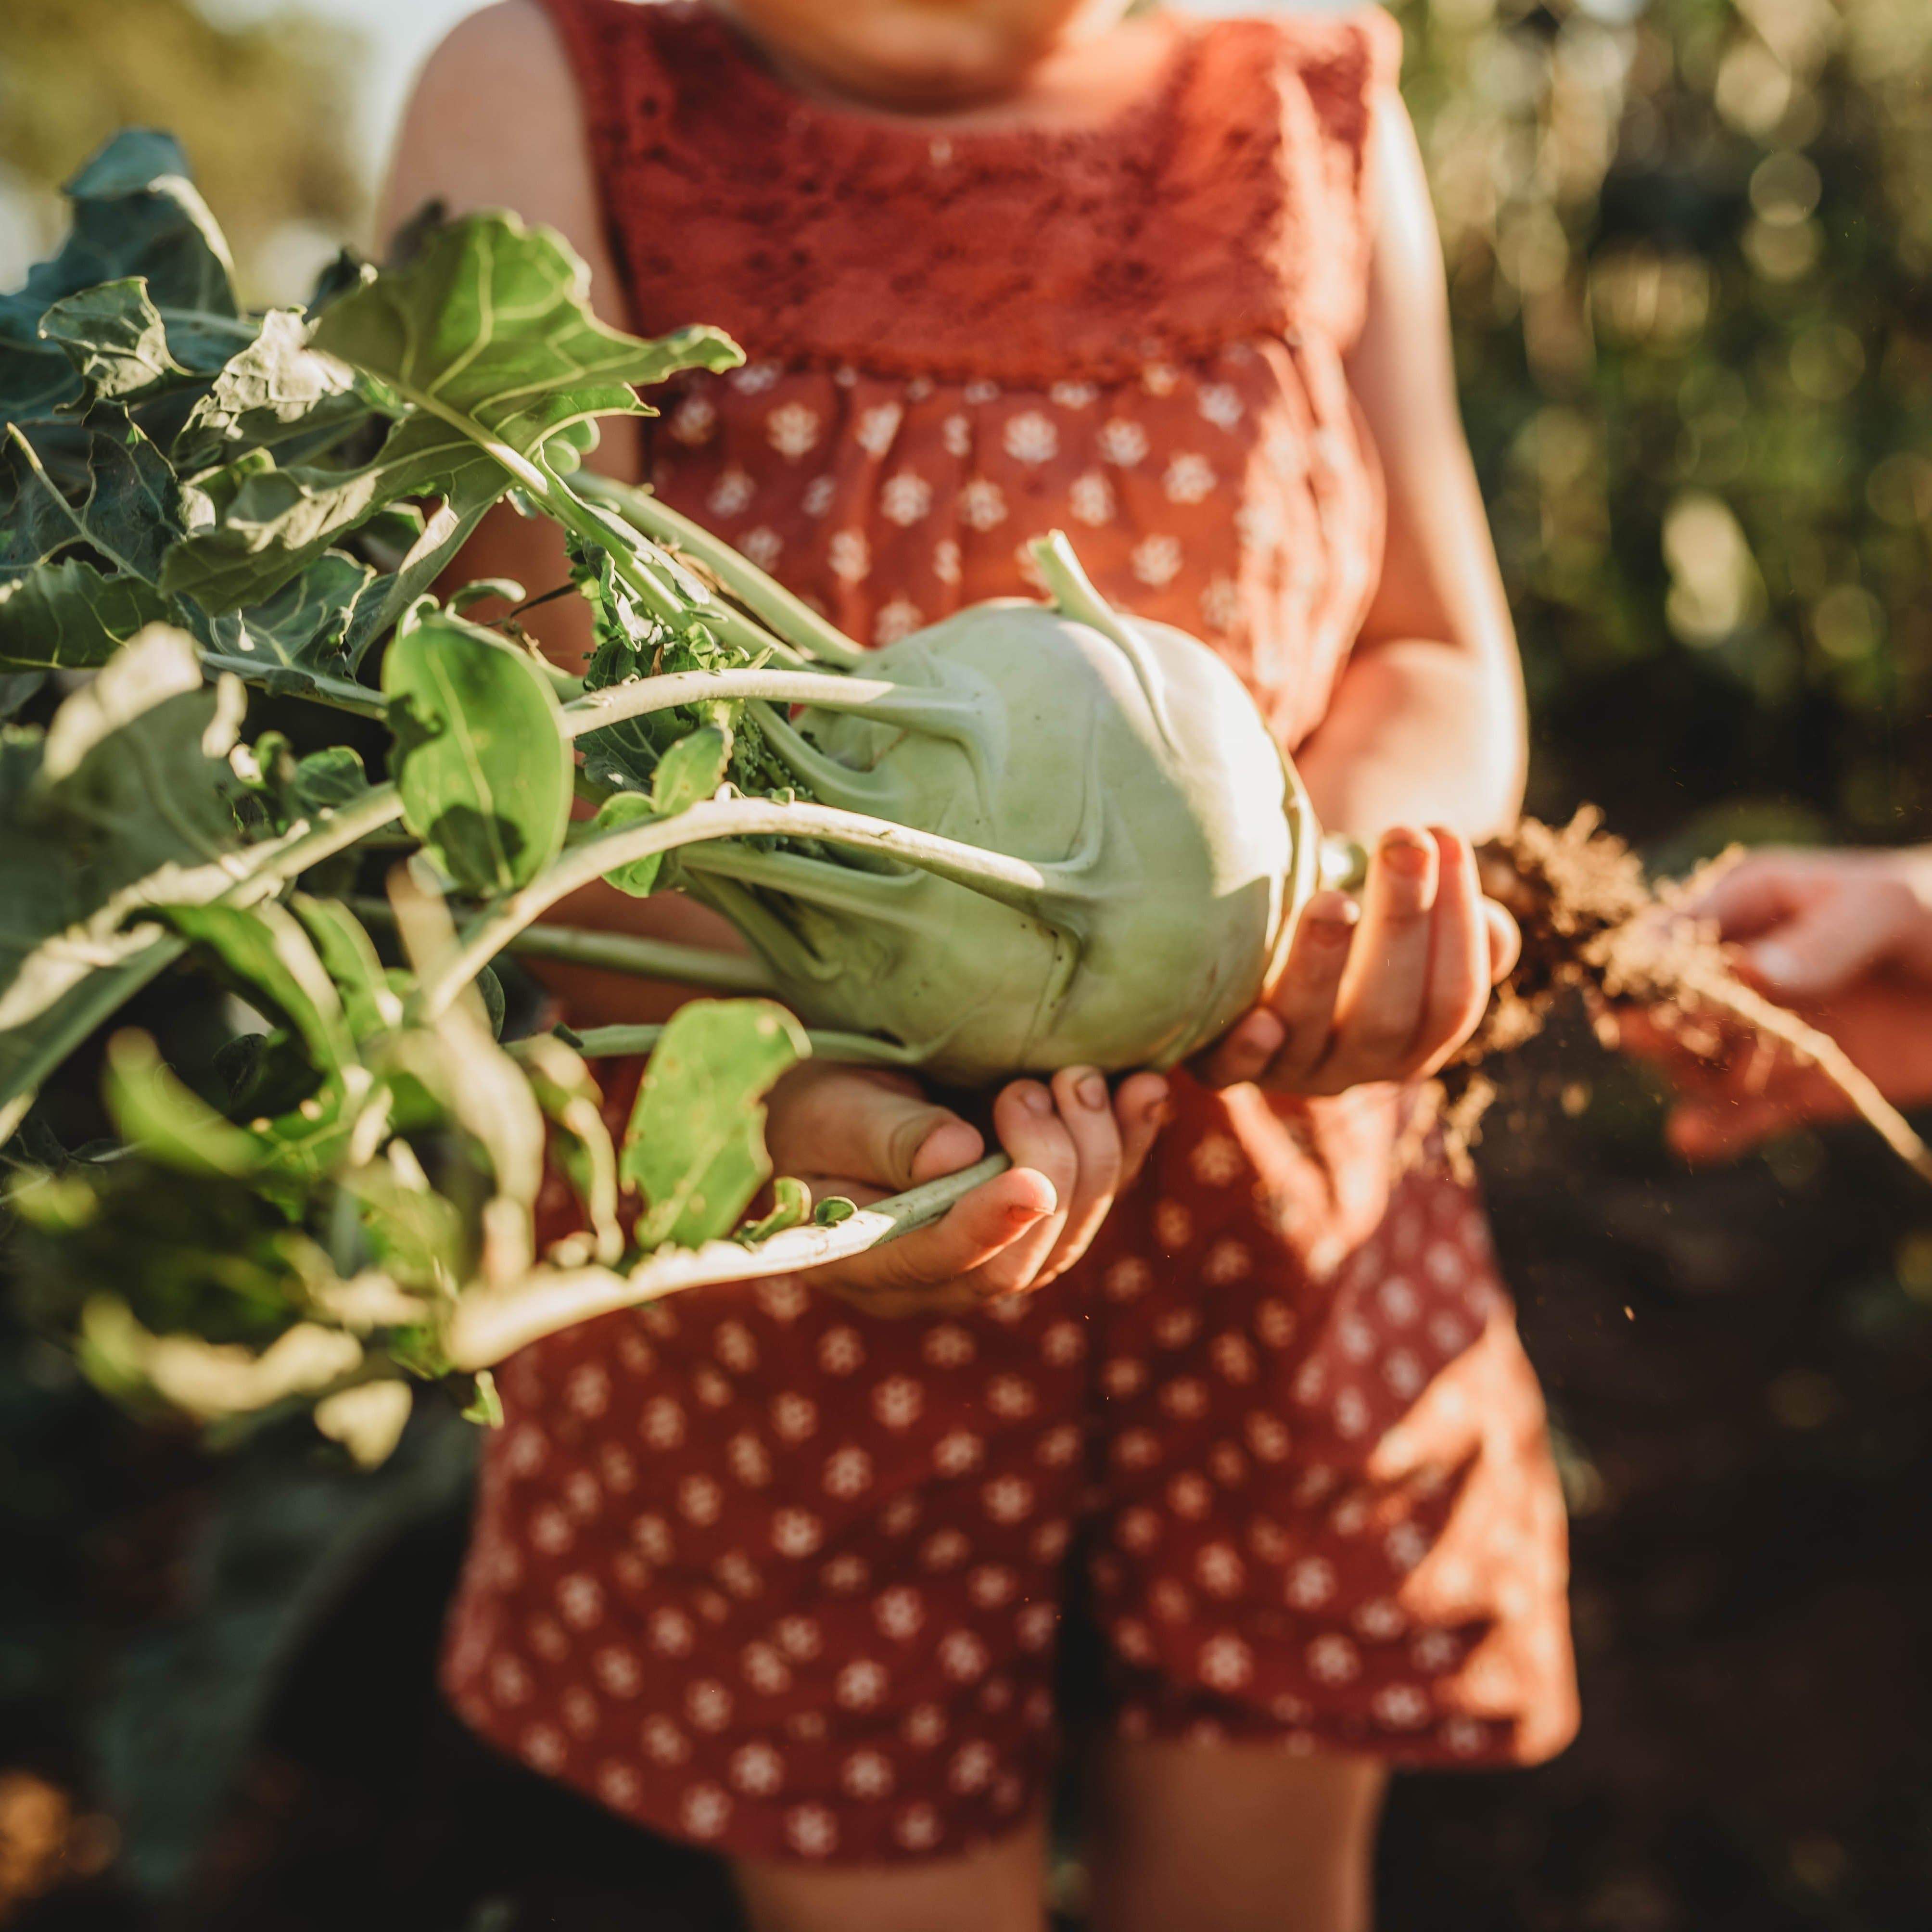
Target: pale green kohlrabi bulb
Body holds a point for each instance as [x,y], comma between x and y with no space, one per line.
[1122,758]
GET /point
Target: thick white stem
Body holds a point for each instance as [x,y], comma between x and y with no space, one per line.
[489,1323]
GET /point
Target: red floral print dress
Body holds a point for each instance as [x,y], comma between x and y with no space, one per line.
[759,1570]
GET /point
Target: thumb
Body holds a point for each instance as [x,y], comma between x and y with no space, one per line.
[881,1131]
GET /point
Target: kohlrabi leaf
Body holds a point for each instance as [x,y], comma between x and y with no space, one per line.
[326,780]
[67,617]
[135,215]
[690,772]
[128,513]
[481,759]
[118,808]
[346,949]
[300,635]
[265,948]
[482,589]
[640,878]
[695,1146]
[483,344]
[252,526]
[791,1207]
[487,327]
[123,349]
[275,390]
[153,1109]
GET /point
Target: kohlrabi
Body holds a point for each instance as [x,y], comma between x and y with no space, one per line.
[1040,834]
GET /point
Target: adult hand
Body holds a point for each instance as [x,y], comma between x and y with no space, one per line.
[1735,1090]
[867,1134]
[1385,990]
[1811,924]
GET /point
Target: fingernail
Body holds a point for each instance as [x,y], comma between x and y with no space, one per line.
[1025,1217]
[1263,1036]
[1092,1091]
[1404,853]
[1036,1100]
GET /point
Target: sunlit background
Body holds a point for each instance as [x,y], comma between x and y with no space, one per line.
[1690,250]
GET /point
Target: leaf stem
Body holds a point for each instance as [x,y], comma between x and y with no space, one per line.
[791,617]
[341,694]
[857,1049]
[489,1323]
[637,697]
[617,953]
[1011,881]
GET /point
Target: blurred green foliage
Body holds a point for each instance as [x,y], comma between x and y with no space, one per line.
[265,112]
[1690,252]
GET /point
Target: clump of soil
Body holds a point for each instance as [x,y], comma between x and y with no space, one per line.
[1593,926]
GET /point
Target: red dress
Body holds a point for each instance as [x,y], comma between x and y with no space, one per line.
[759,1570]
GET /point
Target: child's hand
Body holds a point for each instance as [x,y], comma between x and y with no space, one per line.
[1387,990]
[866,1134]
[1810,924]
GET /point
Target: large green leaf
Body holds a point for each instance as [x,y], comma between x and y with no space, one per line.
[129,511]
[301,634]
[695,1146]
[125,352]
[68,616]
[265,947]
[118,808]
[487,328]
[135,214]
[276,389]
[484,346]
[480,760]
[252,526]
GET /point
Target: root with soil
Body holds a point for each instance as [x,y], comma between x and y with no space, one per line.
[1593,925]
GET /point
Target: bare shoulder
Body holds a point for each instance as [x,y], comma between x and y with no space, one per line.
[496,120]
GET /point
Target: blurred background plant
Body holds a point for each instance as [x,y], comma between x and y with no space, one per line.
[1691,251]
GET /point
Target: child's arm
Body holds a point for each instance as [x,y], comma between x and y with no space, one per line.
[495,122]
[1422,748]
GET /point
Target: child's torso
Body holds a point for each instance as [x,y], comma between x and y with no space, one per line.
[957,342]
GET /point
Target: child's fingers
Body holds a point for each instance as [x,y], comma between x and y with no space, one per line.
[1087,1109]
[1281,1042]
[1459,947]
[1380,1006]
[874,1127]
[923,1269]
[1030,1129]
[1505,938]
[1141,1107]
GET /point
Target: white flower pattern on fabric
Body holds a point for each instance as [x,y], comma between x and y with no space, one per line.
[731,495]
[1156,561]
[693,420]
[1091,499]
[898,619]
[792,430]
[763,546]
[982,504]
[849,556]
[1189,479]
[877,427]
[1031,437]
[905,497]
[1122,441]
[946,561]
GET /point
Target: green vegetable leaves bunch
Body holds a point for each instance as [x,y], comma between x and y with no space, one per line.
[1033,834]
